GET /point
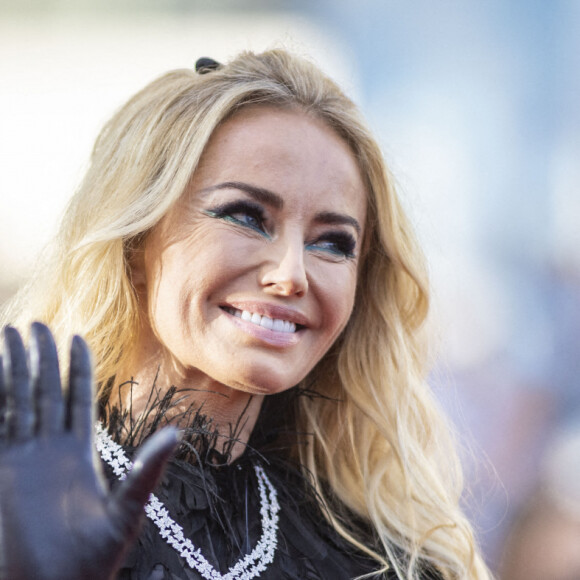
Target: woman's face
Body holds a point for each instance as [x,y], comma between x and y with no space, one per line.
[251,277]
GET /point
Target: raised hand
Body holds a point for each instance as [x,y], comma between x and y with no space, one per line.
[57,519]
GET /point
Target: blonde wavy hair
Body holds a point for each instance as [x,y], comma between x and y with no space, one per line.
[380,450]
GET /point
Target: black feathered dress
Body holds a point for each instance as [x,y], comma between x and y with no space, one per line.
[217,503]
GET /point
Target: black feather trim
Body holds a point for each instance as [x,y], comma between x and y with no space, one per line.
[217,501]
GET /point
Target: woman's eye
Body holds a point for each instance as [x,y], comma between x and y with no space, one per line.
[247,219]
[336,244]
[243,213]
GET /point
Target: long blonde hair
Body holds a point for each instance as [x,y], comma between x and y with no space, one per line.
[380,450]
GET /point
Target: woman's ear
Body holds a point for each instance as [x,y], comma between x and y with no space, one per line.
[135,257]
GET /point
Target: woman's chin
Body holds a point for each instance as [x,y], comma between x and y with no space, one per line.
[263,382]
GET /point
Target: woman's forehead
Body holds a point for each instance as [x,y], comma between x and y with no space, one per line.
[282,150]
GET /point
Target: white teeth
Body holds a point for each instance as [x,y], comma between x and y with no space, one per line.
[266,322]
[274,324]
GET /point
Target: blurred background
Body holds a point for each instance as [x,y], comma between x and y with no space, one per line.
[477,108]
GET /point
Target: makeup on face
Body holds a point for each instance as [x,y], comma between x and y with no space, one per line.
[252,276]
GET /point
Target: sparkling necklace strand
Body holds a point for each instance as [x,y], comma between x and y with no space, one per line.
[250,566]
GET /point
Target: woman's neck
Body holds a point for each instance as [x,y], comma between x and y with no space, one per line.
[146,380]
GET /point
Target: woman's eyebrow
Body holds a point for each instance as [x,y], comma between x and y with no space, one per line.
[260,194]
[333,218]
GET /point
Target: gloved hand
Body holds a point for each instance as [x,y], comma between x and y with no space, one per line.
[58,520]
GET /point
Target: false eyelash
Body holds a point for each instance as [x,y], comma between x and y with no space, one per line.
[344,242]
[226,212]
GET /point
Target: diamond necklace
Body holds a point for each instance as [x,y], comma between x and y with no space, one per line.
[250,566]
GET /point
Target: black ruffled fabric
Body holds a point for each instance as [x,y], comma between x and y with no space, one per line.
[219,510]
[217,503]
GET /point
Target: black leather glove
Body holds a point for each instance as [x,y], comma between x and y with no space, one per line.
[58,520]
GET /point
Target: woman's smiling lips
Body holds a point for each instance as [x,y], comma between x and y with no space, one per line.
[276,325]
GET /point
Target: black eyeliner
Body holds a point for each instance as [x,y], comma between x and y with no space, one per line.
[345,243]
[226,211]
[233,207]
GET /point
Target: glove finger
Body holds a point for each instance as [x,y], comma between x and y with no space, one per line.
[20,412]
[80,411]
[45,379]
[148,467]
[3,424]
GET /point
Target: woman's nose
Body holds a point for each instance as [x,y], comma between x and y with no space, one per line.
[284,273]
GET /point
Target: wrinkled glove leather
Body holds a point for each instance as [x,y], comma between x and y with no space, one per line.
[58,521]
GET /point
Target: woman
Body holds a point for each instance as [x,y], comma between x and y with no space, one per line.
[239,264]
